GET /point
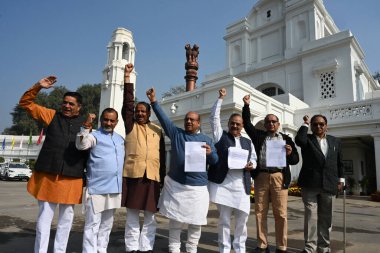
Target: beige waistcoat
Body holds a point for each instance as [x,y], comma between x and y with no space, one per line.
[142,152]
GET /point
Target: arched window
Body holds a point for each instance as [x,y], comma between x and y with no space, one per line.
[126,51]
[271,89]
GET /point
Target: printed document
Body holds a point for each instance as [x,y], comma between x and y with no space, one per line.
[276,153]
[195,157]
[237,158]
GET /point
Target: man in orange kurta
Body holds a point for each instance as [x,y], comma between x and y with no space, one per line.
[57,179]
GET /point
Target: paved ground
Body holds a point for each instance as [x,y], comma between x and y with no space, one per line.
[18,211]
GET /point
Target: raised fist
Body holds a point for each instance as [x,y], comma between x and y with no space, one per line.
[151,94]
[247,99]
[222,93]
[306,119]
[128,69]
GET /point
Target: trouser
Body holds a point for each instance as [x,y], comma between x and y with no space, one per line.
[193,235]
[318,219]
[269,187]
[44,220]
[224,228]
[134,239]
[97,229]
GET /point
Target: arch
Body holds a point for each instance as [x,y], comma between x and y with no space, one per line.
[270,89]
[126,48]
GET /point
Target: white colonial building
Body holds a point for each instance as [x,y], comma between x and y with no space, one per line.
[293,60]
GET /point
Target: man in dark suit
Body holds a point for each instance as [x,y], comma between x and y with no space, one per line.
[320,178]
[271,183]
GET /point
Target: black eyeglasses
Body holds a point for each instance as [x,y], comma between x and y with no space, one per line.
[271,121]
[318,124]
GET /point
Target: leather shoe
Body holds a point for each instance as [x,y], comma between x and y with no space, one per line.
[261,250]
[281,251]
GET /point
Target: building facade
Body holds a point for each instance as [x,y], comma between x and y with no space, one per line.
[294,61]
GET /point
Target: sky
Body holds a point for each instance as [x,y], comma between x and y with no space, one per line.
[69,39]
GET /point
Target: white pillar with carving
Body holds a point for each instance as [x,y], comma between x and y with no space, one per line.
[120,50]
[376,144]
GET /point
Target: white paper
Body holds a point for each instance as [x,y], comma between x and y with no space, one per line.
[195,157]
[276,154]
[237,158]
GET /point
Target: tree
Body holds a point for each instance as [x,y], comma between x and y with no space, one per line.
[24,124]
[91,100]
[376,76]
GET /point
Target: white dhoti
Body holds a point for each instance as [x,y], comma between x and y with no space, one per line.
[230,197]
[184,203]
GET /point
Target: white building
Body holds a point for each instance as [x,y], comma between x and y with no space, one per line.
[17,147]
[293,60]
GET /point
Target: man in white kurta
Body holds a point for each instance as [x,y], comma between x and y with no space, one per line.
[103,178]
[229,185]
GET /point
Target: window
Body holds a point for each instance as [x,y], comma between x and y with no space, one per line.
[327,85]
[272,91]
[126,51]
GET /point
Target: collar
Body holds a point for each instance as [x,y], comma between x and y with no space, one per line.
[319,138]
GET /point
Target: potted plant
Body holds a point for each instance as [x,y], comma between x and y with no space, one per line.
[375,196]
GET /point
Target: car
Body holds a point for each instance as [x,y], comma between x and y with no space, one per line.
[18,171]
[3,166]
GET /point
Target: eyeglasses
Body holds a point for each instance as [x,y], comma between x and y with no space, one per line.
[318,124]
[191,119]
[271,122]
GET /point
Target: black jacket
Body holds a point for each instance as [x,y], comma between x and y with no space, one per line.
[317,170]
[258,138]
[58,154]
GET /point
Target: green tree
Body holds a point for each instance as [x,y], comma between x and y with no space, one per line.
[377,76]
[91,100]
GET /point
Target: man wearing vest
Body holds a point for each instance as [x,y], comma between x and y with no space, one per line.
[57,179]
[271,183]
[103,179]
[185,198]
[144,170]
[230,184]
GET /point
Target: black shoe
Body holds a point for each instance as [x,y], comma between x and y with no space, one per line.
[280,251]
[260,250]
[133,251]
[148,251]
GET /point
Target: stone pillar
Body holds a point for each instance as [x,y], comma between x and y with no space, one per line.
[376,144]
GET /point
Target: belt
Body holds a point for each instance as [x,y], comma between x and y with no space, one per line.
[270,171]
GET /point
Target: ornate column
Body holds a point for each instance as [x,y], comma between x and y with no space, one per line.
[191,66]
[376,144]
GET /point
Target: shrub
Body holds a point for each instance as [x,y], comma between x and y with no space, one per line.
[375,196]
